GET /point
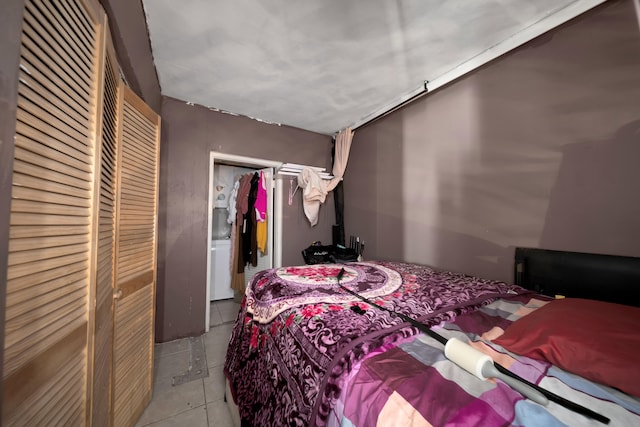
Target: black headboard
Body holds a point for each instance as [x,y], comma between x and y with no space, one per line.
[579,275]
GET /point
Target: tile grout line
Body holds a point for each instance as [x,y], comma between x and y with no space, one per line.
[219,312]
[206,405]
[176,414]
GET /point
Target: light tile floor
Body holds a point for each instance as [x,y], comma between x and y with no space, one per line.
[199,402]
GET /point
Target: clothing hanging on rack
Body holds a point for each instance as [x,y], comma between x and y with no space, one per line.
[242,205]
[261,215]
[314,192]
[249,228]
[233,197]
[249,245]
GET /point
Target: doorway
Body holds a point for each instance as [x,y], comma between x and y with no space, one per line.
[274,221]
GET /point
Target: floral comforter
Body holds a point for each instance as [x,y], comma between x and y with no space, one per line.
[298,335]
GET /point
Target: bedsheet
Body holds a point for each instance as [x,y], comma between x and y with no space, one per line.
[298,335]
[411,383]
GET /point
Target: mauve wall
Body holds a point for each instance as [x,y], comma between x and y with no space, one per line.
[541,148]
[128,26]
[189,134]
[10,36]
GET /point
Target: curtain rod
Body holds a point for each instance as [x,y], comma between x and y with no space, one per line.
[421,92]
[555,19]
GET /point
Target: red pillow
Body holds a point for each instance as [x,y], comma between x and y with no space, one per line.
[597,340]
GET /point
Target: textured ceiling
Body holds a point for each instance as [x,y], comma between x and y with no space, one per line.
[325,65]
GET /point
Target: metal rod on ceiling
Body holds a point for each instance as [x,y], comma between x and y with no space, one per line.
[423,91]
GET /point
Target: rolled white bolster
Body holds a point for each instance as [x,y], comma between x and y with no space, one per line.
[467,357]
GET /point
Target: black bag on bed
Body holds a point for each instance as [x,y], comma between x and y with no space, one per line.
[342,254]
[318,254]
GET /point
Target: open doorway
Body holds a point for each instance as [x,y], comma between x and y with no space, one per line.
[216,257]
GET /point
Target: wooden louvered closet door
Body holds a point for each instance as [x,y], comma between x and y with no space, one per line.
[101,325]
[135,272]
[80,299]
[50,262]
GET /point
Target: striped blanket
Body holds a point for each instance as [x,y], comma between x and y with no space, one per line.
[413,384]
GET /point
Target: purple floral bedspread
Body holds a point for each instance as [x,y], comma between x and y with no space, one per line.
[297,334]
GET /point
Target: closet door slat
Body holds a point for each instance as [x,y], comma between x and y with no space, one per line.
[20,218]
[56,43]
[35,61]
[38,107]
[52,288]
[60,96]
[27,177]
[52,171]
[28,243]
[53,281]
[19,232]
[50,147]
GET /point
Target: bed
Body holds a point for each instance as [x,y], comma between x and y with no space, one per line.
[305,351]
